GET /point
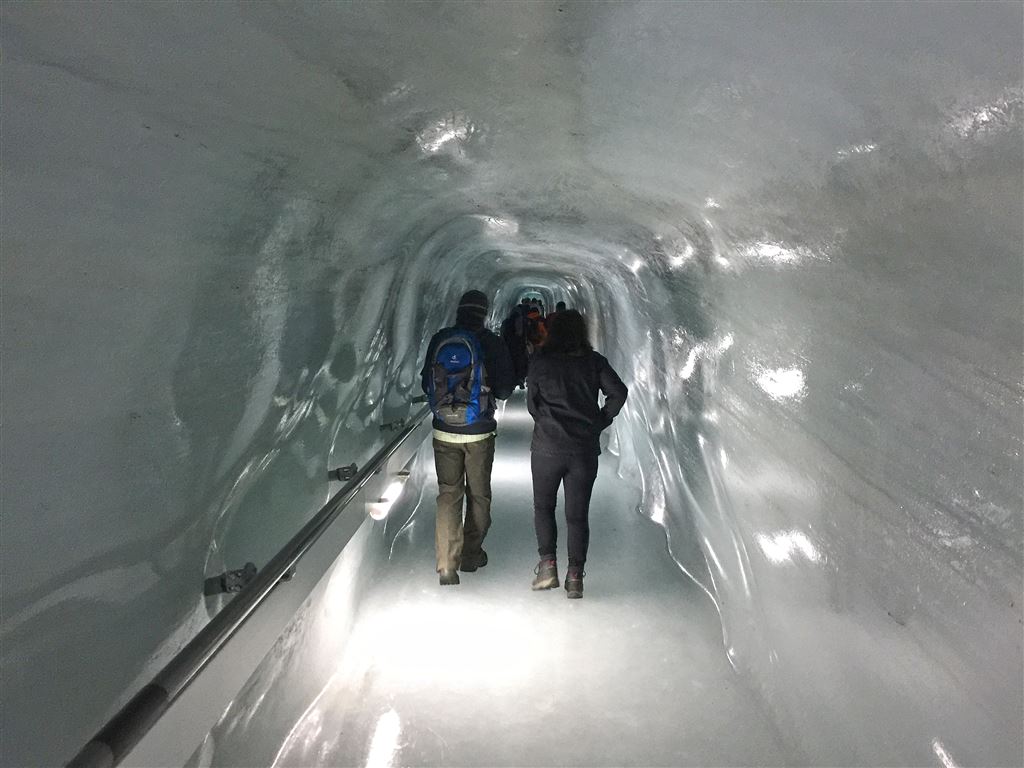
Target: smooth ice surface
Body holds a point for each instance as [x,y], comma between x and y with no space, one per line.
[490,673]
[227,231]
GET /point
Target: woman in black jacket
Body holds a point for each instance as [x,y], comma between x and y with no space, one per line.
[565,378]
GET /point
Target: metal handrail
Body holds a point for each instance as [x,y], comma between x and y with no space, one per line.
[125,729]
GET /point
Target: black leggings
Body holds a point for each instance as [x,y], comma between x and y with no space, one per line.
[578,474]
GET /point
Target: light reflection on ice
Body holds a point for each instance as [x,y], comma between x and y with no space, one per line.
[705,350]
[944,756]
[857,149]
[502,226]
[677,260]
[455,127]
[379,510]
[506,469]
[639,370]
[782,383]
[385,741]
[721,573]
[658,511]
[1000,113]
[691,364]
[434,657]
[776,253]
[780,547]
[512,416]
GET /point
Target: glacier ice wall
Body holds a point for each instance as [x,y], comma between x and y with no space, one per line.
[227,231]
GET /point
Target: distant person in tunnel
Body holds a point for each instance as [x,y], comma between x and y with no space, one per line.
[513,333]
[467,367]
[564,384]
[536,330]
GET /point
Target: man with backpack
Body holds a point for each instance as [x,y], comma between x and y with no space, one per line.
[467,368]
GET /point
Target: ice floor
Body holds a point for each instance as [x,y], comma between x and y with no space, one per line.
[490,673]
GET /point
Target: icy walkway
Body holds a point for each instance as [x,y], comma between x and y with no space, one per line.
[490,673]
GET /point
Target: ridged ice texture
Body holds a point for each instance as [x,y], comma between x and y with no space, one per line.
[227,231]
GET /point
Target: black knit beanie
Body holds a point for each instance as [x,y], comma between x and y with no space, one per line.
[476,300]
[472,309]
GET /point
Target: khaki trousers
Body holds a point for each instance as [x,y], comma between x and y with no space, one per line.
[463,470]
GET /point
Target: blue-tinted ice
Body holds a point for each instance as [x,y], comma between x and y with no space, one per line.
[228,230]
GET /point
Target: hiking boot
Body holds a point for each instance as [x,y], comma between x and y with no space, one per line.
[471,563]
[449,577]
[574,583]
[547,575]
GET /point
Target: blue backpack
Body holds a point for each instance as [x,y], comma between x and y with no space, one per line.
[458,395]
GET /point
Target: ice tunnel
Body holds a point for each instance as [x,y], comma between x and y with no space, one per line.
[228,231]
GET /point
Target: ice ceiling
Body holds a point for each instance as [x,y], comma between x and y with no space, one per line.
[228,229]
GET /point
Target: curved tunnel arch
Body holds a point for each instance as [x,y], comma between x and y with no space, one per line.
[229,231]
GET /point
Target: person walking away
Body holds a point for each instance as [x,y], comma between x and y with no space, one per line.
[466,369]
[565,381]
[513,333]
[536,330]
[559,307]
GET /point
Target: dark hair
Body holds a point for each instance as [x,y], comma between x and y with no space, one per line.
[560,306]
[567,333]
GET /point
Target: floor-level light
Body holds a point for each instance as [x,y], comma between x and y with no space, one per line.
[379,509]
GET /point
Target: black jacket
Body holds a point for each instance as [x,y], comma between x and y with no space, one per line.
[513,333]
[562,392]
[498,375]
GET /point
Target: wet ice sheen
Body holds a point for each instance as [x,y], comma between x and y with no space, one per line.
[491,673]
[229,230]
